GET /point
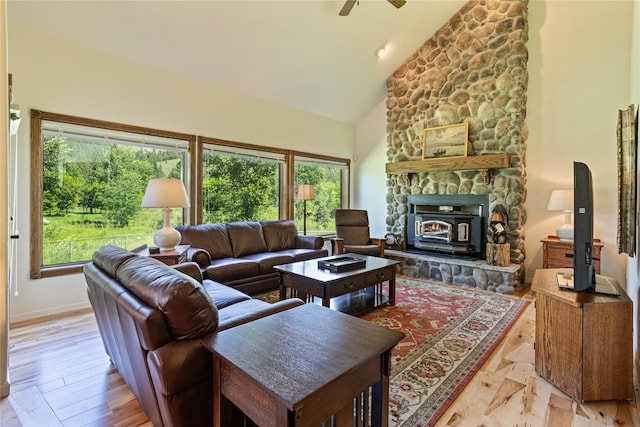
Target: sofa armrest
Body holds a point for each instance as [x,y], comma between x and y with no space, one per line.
[337,246]
[309,242]
[191,269]
[179,365]
[380,242]
[258,313]
[199,256]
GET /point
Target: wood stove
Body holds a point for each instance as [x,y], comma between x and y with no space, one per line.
[448,224]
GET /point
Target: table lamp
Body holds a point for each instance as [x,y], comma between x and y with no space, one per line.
[305,192]
[562,200]
[166,194]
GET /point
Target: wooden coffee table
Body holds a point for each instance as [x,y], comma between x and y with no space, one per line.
[354,292]
[302,367]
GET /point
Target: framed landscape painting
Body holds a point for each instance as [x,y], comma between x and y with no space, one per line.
[445,141]
[627,136]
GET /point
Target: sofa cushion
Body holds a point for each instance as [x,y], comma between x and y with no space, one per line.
[187,308]
[304,254]
[372,250]
[246,238]
[222,295]
[279,235]
[267,260]
[354,235]
[230,269]
[211,237]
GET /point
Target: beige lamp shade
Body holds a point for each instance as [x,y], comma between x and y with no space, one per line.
[305,192]
[562,200]
[166,194]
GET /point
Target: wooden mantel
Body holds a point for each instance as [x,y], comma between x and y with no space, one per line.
[483,162]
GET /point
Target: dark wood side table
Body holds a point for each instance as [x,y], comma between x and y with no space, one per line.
[302,366]
[584,341]
[558,253]
[177,256]
[354,292]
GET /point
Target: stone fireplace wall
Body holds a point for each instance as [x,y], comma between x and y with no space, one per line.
[474,70]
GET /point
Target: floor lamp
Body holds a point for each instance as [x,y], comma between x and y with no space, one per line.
[305,192]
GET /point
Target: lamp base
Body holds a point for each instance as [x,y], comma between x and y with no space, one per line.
[565,232]
[167,238]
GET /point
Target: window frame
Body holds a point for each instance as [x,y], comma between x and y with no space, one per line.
[37,270]
[194,173]
[346,181]
[204,141]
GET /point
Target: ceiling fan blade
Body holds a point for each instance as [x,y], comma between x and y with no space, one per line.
[348,6]
[397,3]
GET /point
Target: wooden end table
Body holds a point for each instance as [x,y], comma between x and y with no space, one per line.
[302,366]
[558,253]
[176,256]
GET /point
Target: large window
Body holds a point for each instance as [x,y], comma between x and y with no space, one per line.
[92,178]
[89,176]
[241,184]
[330,178]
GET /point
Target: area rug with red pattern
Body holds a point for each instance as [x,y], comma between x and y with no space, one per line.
[450,332]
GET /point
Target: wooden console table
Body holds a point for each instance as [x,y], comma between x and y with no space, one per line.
[302,366]
[584,341]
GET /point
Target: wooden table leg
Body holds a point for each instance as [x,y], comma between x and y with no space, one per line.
[221,405]
[283,289]
[392,288]
[380,394]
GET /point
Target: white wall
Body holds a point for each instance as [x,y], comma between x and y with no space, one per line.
[578,80]
[55,76]
[4,137]
[370,189]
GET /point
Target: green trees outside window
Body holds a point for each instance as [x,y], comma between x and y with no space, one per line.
[239,188]
[91,194]
[88,178]
[327,188]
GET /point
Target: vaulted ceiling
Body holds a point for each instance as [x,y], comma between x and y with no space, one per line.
[298,53]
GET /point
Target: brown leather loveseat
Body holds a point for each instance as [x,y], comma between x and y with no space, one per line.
[151,318]
[242,254]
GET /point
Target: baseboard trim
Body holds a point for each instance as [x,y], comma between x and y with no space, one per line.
[5,389]
[51,311]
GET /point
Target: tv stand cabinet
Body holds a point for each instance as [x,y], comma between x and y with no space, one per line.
[584,341]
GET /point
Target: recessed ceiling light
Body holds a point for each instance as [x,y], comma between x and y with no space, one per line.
[381,51]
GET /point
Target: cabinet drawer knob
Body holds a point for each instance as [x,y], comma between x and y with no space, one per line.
[568,255]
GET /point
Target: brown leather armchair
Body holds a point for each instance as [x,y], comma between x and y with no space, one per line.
[352,234]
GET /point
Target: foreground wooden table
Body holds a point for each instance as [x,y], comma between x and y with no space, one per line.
[302,366]
[584,341]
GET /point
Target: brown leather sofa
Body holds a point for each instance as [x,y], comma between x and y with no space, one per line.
[242,254]
[151,318]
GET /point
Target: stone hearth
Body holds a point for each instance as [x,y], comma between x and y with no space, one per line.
[473,273]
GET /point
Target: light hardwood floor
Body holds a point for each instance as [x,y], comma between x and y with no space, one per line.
[61,376]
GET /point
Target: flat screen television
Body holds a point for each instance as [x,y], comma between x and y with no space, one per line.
[584,278]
